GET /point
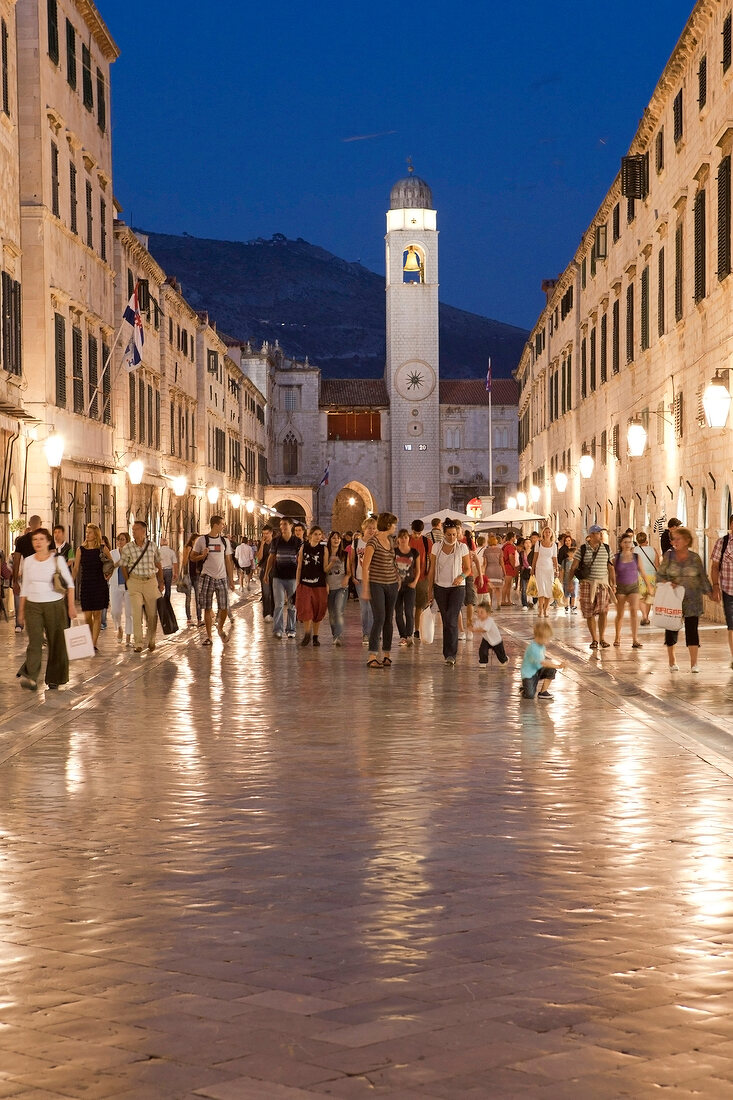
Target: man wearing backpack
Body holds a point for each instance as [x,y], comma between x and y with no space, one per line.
[721,574]
[217,576]
[593,567]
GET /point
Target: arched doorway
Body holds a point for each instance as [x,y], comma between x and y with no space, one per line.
[292,508]
[350,508]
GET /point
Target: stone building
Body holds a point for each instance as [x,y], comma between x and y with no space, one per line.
[637,326]
[64,56]
[412,443]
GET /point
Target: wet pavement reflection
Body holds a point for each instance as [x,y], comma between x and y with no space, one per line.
[258,871]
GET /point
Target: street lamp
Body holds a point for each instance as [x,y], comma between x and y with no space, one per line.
[636,437]
[512,502]
[135,471]
[250,506]
[352,501]
[716,402]
[236,500]
[535,493]
[522,500]
[586,465]
[54,450]
[561,481]
[212,494]
[179,486]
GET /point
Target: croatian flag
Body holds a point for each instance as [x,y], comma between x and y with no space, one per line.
[134,352]
[324,479]
[488,378]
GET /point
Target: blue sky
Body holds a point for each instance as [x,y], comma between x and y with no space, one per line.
[261,120]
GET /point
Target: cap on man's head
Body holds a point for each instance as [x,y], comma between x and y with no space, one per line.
[595,529]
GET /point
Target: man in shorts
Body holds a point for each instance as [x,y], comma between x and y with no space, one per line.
[244,556]
[593,566]
[217,576]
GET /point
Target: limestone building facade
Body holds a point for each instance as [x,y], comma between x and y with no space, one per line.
[638,325]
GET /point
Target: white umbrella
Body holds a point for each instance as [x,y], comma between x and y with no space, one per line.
[508,516]
[447,513]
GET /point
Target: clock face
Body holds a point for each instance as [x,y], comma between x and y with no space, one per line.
[415,380]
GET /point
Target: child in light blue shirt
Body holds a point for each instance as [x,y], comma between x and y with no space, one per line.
[537,668]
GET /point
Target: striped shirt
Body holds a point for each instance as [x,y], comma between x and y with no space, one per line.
[382,568]
[725,564]
[146,567]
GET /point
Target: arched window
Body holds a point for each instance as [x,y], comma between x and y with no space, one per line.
[452,439]
[290,455]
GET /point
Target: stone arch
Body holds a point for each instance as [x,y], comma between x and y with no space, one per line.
[346,516]
[289,506]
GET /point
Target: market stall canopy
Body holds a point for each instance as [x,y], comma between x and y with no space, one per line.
[446,513]
[509,516]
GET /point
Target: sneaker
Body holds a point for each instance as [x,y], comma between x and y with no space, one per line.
[417,635]
[674,668]
[544,695]
[450,660]
[277,634]
[461,636]
[573,610]
[291,634]
[19,630]
[403,641]
[483,664]
[525,609]
[694,669]
[268,618]
[30,685]
[365,639]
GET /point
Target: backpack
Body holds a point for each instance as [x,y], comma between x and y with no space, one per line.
[200,564]
[583,570]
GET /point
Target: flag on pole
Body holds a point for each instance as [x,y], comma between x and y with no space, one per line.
[133,356]
[324,479]
[488,378]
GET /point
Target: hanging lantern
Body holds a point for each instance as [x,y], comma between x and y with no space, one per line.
[586,465]
[54,450]
[212,494]
[561,481]
[522,500]
[250,506]
[535,493]
[236,500]
[512,502]
[636,437]
[135,471]
[179,486]
[716,403]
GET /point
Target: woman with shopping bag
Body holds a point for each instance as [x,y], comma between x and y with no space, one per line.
[682,568]
[46,595]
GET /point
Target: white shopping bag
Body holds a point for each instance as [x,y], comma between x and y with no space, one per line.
[79,642]
[668,606]
[427,626]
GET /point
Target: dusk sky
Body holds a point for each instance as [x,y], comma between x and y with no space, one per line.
[239,121]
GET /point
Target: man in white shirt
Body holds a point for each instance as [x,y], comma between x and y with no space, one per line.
[244,556]
[217,576]
[169,561]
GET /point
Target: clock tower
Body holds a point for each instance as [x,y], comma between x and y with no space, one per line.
[411,369]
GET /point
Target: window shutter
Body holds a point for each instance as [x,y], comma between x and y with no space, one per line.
[660,293]
[55,208]
[616,222]
[103,229]
[583,273]
[630,210]
[93,378]
[11,325]
[86,77]
[141,410]
[53,30]
[702,82]
[592,360]
[660,424]
[132,386]
[635,176]
[72,197]
[616,337]
[645,308]
[564,369]
[724,251]
[77,369]
[173,429]
[615,441]
[151,434]
[677,115]
[659,150]
[583,369]
[569,393]
[106,387]
[678,416]
[4,65]
[59,339]
[604,447]
[70,54]
[101,102]
[130,284]
[678,274]
[90,215]
[726,43]
[604,348]
[700,251]
[630,323]
[157,420]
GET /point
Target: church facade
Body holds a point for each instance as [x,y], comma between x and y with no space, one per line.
[410,442]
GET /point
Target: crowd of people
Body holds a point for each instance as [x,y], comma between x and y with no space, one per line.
[408,578]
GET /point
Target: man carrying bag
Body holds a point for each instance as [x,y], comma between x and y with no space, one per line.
[143,573]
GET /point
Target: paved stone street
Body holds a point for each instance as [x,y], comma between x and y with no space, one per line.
[264,873]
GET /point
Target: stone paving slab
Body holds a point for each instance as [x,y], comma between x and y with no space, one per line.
[261,871]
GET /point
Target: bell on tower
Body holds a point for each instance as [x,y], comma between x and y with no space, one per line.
[413,270]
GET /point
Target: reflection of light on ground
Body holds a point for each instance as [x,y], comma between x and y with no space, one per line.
[74,770]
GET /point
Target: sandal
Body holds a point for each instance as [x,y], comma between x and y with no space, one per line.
[374,662]
[386,662]
[593,645]
[637,645]
[206,641]
[604,645]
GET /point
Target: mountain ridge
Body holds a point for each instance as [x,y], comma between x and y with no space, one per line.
[318,305]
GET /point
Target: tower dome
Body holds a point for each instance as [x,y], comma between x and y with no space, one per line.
[411,193]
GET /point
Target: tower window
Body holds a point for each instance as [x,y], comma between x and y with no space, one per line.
[413,265]
[290,455]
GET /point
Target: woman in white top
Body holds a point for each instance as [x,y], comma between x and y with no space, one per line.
[119,597]
[44,610]
[544,568]
[450,564]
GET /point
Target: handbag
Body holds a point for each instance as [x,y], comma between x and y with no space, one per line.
[532,589]
[183,584]
[667,608]
[166,614]
[108,566]
[59,582]
[79,642]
